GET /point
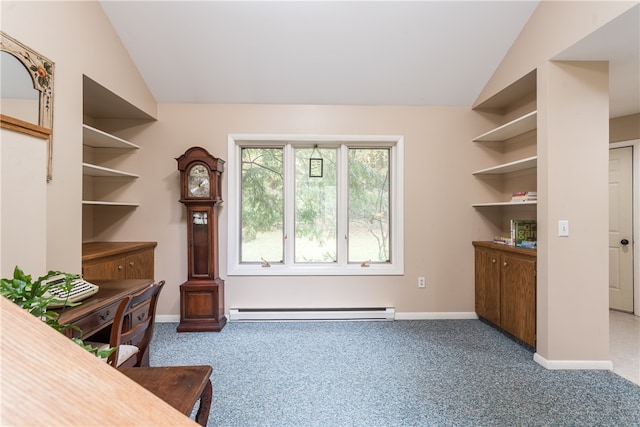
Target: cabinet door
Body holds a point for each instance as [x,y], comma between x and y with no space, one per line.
[110,269]
[140,265]
[488,285]
[518,294]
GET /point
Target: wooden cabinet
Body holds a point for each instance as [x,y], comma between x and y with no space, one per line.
[518,293]
[488,284]
[505,288]
[118,260]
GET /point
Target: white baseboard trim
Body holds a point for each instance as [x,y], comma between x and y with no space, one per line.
[602,365]
[454,315]
[167,318]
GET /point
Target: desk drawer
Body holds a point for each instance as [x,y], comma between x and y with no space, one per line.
[95,321]
[139,313]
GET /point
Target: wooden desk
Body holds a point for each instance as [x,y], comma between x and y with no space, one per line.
[179,386]
[96,312]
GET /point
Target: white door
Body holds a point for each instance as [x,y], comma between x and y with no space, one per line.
[621,229]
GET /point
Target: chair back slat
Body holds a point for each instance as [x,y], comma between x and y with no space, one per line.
[134,321]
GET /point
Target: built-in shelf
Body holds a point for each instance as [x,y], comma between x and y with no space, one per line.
[93,170]
[96,138]
[518,165]
[98,203]
[498,204]
[509,130]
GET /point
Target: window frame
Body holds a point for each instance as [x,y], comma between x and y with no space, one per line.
[289,268]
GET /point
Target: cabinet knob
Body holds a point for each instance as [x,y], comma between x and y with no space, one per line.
[493,260]
[119,267]
[624,242]
[130,263]
[504,263]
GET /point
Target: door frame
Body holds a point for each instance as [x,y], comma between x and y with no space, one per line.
[635,143]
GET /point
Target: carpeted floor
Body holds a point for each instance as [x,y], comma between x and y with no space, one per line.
[401,373]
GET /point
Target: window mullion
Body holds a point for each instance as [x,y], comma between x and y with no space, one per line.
[289,205]
[343,206]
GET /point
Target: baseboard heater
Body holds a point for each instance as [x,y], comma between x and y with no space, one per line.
[299,314]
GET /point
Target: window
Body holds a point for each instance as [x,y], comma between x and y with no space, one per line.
[314,205]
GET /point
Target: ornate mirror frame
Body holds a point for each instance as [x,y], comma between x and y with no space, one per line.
[40,70]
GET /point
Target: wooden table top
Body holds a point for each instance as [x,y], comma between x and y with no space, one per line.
[179,386]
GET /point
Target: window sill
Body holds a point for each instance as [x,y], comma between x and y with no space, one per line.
[317,270]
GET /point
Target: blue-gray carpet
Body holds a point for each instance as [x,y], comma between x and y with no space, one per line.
[402,373]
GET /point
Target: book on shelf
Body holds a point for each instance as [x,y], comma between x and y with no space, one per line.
[524,196]
[524,233]
[500,240]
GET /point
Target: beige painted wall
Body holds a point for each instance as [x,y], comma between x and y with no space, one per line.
[573,272]
[23,212]
[79,38]
[438,220]
[553,27]
[625,128]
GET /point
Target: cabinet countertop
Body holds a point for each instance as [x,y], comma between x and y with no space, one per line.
[507,248]
[94,250]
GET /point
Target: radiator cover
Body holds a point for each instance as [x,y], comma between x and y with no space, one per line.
[299,314]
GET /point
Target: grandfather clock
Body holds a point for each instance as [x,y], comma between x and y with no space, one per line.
[202,295]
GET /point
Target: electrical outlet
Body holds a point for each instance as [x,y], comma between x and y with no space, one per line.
[421,282]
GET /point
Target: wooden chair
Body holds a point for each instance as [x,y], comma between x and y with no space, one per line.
[132,328]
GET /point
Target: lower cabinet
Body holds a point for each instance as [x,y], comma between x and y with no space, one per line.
[118,260]
[505,288]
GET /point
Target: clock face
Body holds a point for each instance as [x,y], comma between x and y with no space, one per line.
[198,182]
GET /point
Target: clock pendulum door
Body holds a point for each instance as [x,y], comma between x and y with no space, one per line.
[202,296]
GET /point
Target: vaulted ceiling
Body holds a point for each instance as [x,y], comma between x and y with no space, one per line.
[324,52]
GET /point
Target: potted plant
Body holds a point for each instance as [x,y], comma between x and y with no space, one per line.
[33,297]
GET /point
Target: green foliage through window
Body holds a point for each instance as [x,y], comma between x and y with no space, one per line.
[262,204]
[358,178]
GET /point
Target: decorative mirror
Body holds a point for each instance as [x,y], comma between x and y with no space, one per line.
[26,91]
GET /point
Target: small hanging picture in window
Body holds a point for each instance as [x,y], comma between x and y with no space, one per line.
[315,164]
[315,168]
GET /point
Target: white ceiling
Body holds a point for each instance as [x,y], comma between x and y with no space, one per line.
[319,52]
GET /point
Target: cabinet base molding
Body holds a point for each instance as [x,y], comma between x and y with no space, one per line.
[437,315]
[507,334]
[202,306]
[601,365]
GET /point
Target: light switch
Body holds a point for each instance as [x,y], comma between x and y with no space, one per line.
[563,228]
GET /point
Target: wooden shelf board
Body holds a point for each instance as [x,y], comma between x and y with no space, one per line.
[492,204]
[94,170]
[509,130]
[96,138]
[518,165]
[99,203]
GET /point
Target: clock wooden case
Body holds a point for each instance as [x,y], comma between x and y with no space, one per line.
[202,295]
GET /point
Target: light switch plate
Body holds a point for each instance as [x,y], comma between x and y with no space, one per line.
[563,228]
